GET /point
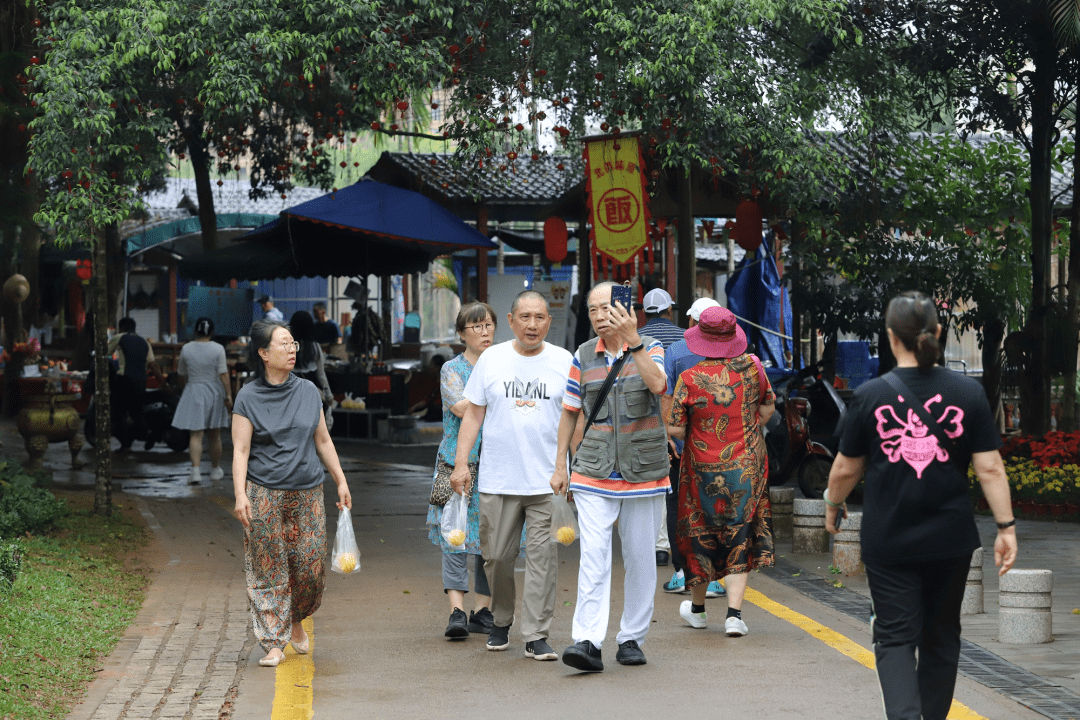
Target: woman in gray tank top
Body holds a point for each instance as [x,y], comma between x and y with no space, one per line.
[280,449]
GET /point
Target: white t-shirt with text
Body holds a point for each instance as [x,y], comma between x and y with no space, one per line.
[523,400]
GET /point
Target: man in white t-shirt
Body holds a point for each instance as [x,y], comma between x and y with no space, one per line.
[515,393]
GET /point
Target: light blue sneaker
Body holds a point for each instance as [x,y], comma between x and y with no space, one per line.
[677,584]
[715,590]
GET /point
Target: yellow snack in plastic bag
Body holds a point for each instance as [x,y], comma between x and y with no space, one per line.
[456,538]
[566,535]
[347,562]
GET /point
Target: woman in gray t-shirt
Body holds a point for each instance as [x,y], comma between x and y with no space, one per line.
[280,447]
[207,397]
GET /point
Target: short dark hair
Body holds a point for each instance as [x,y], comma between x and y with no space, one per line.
[302,327]
[261,334]
[204,327]
[474,312]
[126,325]
[318,305]
[529,295]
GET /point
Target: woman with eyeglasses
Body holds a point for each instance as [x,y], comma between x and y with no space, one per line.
[207,397]
[476,326]
[280,447]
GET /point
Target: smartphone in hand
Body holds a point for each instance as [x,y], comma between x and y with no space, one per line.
[624,295]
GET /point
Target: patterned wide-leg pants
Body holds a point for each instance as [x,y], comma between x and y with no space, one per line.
[284,558]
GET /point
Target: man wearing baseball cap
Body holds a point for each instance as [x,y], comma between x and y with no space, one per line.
[269,311]
[658,324]
[677,358]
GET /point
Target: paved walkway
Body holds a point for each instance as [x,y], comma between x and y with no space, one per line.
[190,655]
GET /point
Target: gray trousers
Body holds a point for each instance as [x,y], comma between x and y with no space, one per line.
[501,520]
[455,573]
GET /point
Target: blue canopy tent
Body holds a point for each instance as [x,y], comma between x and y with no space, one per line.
[365,228]
[754,293]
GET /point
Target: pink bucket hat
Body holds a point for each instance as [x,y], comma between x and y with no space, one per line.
[716,335]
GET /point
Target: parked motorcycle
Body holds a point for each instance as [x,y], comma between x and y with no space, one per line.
[158,405]
[802,437]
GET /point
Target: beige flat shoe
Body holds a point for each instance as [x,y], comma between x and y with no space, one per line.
[301,648]
[271,661]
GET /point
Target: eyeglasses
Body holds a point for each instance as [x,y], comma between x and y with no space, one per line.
[287,346]
[481,328]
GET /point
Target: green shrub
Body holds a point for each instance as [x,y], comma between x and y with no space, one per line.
[25,506]
[10,561]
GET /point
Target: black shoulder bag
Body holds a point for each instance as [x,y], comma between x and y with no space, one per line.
[911,401]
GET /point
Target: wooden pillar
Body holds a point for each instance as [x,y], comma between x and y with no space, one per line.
[172,299]
[686,261]
[482,257]
[386,307]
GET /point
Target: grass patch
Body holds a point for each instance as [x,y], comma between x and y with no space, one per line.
[79,588]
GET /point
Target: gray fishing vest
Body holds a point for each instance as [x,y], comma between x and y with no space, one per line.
[628,434]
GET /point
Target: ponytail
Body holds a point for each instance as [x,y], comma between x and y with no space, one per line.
[913,319]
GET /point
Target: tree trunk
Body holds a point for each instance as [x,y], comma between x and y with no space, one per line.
[103,411]
[1069,421]
[31,258]
[686,262]
[1035,416]
[116,252]
[204,193]
[993,335]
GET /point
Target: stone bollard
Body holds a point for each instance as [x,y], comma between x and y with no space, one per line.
[846,550]
[808,527]
[973,591]
[780,499]
[1024,598]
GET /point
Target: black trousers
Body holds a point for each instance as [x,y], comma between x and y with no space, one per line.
[672,501]
[916,607]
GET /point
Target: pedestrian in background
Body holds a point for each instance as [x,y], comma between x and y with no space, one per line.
[719,407]
[280,448]
[912,433]
[269,311]
[310,360]
[619,476]
[326,331]
[206,398]
[475,326]
[677,357]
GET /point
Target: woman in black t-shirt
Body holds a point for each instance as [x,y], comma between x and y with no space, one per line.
[918,529]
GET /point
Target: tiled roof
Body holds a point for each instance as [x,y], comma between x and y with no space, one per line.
[230,197]
[525,180]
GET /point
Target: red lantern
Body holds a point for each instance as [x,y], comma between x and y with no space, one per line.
[555,239]
[748,225]
[83,269]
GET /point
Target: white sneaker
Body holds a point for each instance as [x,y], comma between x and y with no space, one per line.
[696,620]
[195,477]
[735,627]
[216,473]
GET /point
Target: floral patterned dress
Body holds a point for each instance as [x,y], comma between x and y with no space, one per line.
[453,377]
[723,526]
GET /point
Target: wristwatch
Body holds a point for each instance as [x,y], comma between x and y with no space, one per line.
[639,346]
[1006,525]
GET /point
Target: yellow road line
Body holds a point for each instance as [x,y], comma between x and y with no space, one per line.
[293,678]
[846,646]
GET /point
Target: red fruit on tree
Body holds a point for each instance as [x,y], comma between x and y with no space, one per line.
[375,125]
[526,42]
[403,106]
[599,76]
[535,156]
[434,106]
[344,164]
[34,60]
[519,127]
[604,126]
[511,155]
[182,156]
[560,166]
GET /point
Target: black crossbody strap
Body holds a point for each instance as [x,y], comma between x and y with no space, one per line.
[911,401]
[604,390]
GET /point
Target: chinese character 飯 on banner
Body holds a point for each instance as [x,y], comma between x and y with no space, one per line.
[618,203]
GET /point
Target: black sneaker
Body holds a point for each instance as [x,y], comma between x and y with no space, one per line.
[458,626]
[583,656]
[480,621]
[630,654]
[540,650]
[498,637]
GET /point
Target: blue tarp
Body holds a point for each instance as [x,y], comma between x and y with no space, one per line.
[754,292]
[366,228]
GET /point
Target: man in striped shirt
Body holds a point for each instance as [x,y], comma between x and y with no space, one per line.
[620,472]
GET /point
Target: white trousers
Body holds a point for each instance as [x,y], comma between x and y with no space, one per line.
[639,521]
[662,542]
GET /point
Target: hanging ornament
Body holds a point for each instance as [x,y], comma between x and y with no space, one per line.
[748,225]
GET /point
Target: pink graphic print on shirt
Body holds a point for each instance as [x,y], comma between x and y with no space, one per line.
[912,440]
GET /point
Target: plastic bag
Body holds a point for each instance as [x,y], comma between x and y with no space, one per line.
[346,555]
[564,527]
[455,517]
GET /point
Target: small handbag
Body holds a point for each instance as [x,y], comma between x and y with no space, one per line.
[441,491]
